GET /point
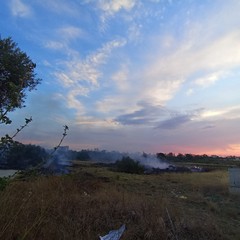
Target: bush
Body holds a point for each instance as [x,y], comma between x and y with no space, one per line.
[3,183]
[128,165]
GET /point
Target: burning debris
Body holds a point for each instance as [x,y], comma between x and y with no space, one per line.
[154,165]
[140,163]
[150,161]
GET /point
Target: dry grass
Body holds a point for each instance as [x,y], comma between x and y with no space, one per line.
[93,201]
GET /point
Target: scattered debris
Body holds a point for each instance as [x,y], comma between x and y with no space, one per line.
[114,234]
[178,195]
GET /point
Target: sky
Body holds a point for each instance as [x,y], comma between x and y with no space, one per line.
[130,75]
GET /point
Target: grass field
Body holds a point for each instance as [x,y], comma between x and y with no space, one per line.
[93,200]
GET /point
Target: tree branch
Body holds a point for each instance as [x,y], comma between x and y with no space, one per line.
[66,128]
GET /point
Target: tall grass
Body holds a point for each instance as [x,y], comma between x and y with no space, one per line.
[85,205]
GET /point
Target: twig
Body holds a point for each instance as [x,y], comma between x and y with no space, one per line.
[66,128]
[27,121]
[4,118]
[7,140]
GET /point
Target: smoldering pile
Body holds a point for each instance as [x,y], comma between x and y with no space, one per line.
[155,165]
[150,162]
[58,163]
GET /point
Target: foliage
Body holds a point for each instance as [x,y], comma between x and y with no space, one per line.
[128,165]
[16,76]
[82,155]
[3,183]
[22,156]
[7,141]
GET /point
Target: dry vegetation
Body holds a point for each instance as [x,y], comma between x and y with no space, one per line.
[92,200]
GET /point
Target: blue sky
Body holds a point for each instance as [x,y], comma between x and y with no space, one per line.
[130,75]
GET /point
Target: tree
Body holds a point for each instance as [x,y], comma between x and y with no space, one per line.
[16,77]
[21,156]
[161,155]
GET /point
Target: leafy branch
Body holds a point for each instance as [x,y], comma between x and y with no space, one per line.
[7,141]
[3,117]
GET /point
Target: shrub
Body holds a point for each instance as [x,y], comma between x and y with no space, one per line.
[3,183]
[128,165]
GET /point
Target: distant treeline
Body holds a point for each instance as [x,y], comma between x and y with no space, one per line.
[22,156]
[188,157]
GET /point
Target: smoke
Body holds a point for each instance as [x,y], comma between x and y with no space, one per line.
[149,160]
[105,157]
[59,161]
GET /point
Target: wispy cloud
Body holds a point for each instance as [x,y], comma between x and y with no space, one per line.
[20,9]
[121,78]
[109,8]
[232,112]
[80,77]
[72,99]
[112,6]
[70,32]
[87,70]
[55,45]
[60,7]
[60,39]
[210,79]
[166,74]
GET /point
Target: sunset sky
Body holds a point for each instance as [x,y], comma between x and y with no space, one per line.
[130,75]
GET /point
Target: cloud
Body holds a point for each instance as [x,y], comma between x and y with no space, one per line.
[163,76]
[67,8]
[78,71]
[134,32]
[191,59]
[232,112]
[109,8]
[189,92]
[209,79]
[121,78]
[64,35]
[81,77]
[208,127]
[70,32]
[72,99]
[19,9]
[54,45]
[146,115]
[175,121]
[112,6]
[156,116]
